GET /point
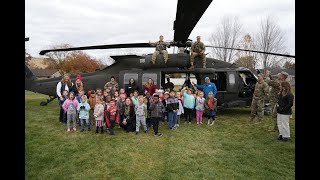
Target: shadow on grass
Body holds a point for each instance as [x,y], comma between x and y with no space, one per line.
[235,111]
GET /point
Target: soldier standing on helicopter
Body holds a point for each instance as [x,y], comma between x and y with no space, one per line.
[274,93]
[198,49]
[161,48]
[261,91]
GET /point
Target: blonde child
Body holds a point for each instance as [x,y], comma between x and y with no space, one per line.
[99,93]
[83,110]
[181,110]
[99,114]
[140,110]
[134,98]
[200,107]
[122,91]
[211,107]
[189,103]
[70,107]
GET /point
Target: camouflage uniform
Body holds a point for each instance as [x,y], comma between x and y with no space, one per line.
[110,85]
[161,48]
[273,99]
[261,91]
[196,49]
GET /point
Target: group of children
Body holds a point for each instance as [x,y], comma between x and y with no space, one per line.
[111,108]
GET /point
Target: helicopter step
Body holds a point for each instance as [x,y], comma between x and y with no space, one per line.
[48,100]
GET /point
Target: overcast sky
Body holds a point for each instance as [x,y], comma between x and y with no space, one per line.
[97,22]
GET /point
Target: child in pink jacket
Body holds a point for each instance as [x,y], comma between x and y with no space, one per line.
[70,107]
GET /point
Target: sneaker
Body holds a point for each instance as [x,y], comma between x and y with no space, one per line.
[197,122]
[280,138]
[174,128]
[82,130]
[68,130]
[208,122]
[212,123]
[145,131]
[284,139]
[177,125]
[189,122]
[159,134]
[137,132]
[89,129]
[75,129]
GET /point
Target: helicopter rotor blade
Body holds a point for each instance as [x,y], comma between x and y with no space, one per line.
[276,54]
[188,14]
[109,46]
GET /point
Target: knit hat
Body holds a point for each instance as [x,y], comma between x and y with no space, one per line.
[78,77]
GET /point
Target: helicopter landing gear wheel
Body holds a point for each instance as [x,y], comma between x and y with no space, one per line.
[43,103]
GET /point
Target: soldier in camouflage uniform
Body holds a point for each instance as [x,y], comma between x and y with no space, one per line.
[198,49]
[161,48]
[275,88]
[261,91]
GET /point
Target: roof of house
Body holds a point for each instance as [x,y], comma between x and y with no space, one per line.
[43,72]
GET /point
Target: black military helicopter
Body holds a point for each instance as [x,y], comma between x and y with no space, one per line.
[235,84]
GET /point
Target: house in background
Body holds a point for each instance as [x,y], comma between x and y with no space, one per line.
[43,73]
[43,68]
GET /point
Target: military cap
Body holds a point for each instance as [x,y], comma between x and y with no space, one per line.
[285,74]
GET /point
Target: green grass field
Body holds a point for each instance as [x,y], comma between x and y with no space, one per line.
[231,149]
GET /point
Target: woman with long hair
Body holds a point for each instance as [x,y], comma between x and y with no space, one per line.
[150,87]
[284,110]
[131,87]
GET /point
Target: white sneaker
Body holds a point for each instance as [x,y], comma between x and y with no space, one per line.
[189,122]
[208,122]
[197,122]
[177,125]
[212,123]
[200,122]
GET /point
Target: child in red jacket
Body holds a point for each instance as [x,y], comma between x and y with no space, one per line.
[112,116]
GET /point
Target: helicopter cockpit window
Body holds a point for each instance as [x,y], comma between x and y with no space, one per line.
[146,76]
[128,76]
[232,79]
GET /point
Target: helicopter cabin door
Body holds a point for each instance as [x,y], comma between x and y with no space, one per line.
[232,85]
[125,76]
[155,76]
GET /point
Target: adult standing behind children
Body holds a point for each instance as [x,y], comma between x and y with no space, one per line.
[131,87]
[284,110]
[78,84]
[64,84]
[112,85]
[150,87]
[207,87]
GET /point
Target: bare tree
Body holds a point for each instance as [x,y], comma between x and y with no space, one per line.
[59,56]
[226,35]
[270,38]
[246,58]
